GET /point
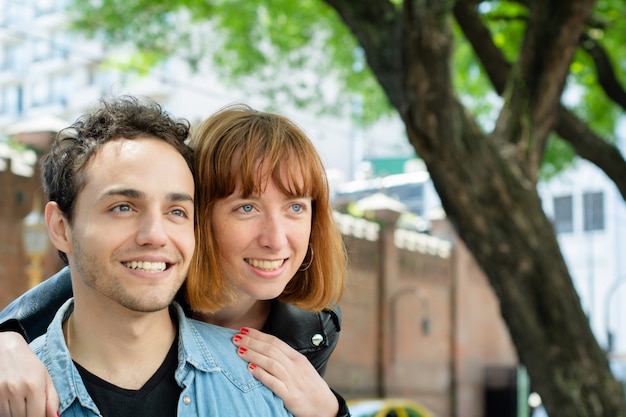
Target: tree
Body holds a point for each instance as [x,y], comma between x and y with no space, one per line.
[486,177]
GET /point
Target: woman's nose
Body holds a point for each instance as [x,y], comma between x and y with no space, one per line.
[273,233]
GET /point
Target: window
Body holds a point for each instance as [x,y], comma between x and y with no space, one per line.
[42,50]
[58,89]
[563,219]
[60,45]
[593,211]
[10,58]
[40,93]
[44,7]
[11,15]
[11,100]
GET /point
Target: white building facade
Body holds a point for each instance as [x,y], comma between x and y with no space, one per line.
[47,71]
[589,216]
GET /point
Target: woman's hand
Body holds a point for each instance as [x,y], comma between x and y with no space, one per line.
[287,373]
[26,389]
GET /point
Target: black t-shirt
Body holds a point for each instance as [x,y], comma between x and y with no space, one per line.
[158,397]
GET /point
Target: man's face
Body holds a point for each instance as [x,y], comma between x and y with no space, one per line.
[132,236]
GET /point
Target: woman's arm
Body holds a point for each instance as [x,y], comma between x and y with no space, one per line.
[35,309]
[26,388]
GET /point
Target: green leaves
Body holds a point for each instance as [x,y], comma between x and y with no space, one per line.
[254,43]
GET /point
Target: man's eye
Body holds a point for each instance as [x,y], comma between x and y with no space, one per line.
[179,213]
[122,208]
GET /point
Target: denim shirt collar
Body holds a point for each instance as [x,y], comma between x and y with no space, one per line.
[193,354]
[56,357]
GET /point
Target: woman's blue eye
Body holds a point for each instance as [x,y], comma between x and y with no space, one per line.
[246,208]
[296,208]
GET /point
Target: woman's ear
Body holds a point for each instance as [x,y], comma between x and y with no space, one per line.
[59,229]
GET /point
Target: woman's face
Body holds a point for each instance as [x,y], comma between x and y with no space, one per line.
[263,239]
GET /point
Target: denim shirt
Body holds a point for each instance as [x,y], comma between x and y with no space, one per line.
[215,380]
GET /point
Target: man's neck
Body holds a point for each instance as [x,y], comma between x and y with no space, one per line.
[123,348]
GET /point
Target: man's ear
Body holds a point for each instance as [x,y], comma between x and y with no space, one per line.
[59,229]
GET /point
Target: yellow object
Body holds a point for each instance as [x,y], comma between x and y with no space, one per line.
[388,407]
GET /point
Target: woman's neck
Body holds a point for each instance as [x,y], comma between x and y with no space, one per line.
[252,315]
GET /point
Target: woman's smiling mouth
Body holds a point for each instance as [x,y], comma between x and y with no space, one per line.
[265,265]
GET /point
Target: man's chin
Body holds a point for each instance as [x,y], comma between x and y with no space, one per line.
[146,306]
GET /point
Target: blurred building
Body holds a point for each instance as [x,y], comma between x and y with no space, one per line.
[26,255]
[589,217]
[45,70]
[16,199]
[49,76]
[421,321]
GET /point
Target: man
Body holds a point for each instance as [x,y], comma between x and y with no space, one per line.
[121,213]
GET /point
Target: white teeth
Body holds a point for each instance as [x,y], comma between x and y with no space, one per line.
[146,266]
[265,265]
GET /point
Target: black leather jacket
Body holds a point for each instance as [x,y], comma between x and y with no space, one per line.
[301,329]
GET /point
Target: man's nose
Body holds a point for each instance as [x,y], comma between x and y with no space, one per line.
[152,230]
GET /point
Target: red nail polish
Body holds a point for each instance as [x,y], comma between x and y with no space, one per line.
[236,338]
[243,330]
[58,414]
[251,366]
[242,350]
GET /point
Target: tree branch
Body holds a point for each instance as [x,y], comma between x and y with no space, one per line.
[588,145]
[606,76]
[591,147]
[552,33]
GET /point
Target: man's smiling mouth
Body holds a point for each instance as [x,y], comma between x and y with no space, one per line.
[146,266]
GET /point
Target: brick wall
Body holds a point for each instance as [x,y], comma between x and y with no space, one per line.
[18,195]
[16,198]
[442,328]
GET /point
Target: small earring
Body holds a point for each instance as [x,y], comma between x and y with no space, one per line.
[307,265]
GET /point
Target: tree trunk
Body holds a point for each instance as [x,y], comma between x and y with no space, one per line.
[487,183]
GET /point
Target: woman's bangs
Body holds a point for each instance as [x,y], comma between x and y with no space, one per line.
[300,177]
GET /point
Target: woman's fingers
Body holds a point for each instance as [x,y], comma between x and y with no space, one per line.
[287,373]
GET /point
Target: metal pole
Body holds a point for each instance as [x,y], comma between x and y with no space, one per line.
[523,390]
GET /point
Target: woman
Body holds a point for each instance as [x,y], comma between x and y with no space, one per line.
[268,257]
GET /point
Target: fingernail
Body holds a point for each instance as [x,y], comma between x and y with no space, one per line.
[243,330]
[251,366]
[236,338]
[58,414]
[242,350]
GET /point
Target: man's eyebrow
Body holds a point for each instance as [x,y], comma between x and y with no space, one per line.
[174,197]
[124,192]
[137,195]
